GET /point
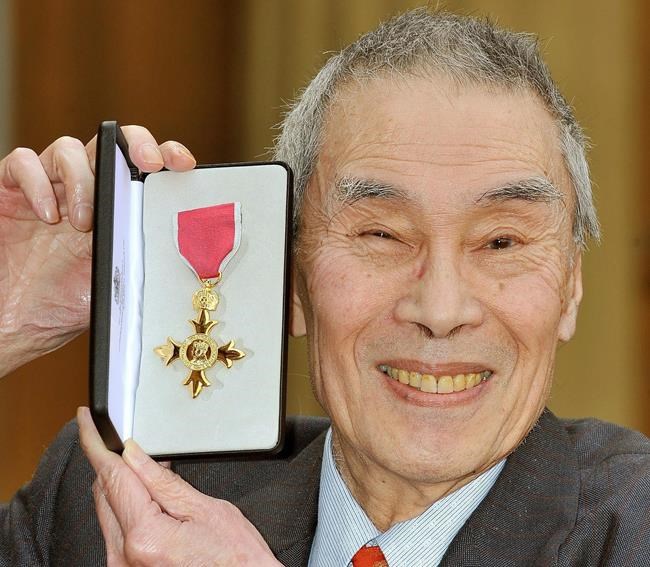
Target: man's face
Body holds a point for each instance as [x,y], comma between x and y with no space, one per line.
[434,265]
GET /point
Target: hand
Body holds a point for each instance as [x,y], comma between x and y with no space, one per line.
[151,516]
[46,211]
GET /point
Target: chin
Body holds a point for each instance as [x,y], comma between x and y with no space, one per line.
[442,456]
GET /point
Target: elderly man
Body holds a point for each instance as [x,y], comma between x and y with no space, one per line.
[442,205]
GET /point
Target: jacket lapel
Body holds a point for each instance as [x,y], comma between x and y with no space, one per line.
[285,506]
[531,507]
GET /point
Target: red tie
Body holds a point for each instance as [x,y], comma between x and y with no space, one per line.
[369,556]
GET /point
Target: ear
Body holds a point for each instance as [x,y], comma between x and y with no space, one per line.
[297,324]
[567,325]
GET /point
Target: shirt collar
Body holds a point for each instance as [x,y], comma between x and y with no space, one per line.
[343,526]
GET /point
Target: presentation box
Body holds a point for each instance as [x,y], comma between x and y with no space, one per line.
[181,374]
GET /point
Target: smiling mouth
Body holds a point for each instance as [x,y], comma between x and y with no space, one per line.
[436,384]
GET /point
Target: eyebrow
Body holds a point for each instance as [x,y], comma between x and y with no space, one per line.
[351,189]
[536,189]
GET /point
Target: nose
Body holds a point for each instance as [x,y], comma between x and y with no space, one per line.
[439,299]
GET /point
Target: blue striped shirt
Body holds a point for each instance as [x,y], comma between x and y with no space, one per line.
[343,526]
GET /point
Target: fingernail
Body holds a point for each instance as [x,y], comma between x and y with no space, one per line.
[134,453]
[182,150]
[48,210]
[82,216]
[151,155]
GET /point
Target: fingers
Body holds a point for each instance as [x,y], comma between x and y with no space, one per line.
[65,162]
[147,155]
[22,169]
[177,157]
[176,497]
[56,183]
[211,531]
[110,527]
[125,494]
[60,182]
[143,148]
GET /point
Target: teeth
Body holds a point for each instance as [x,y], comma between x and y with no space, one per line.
[432,385]
[445,385]
[459,382]
[429,384]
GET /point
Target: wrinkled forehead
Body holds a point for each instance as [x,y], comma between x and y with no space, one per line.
[426,131]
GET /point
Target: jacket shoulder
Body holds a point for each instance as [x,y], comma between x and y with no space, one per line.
[596,442]
[613,512]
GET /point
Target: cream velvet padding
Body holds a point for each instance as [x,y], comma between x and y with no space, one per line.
[241,409]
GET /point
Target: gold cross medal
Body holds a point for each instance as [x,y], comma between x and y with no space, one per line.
[207,239]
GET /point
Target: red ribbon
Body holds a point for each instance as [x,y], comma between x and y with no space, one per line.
[208,238]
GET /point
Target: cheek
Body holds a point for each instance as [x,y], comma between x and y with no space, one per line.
[527,294]
[529,306]
[339,309]
[344,293]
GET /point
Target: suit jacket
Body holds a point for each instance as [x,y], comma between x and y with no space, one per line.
[574,493]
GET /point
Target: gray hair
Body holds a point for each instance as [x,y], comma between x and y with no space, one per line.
[466,50]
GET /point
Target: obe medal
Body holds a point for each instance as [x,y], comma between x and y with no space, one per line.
[207,239]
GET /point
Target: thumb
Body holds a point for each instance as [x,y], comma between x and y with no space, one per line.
[175,496]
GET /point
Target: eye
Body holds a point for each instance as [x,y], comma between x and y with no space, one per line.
[378,233]
[501,243]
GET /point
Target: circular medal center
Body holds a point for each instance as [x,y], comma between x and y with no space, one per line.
[199,352]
